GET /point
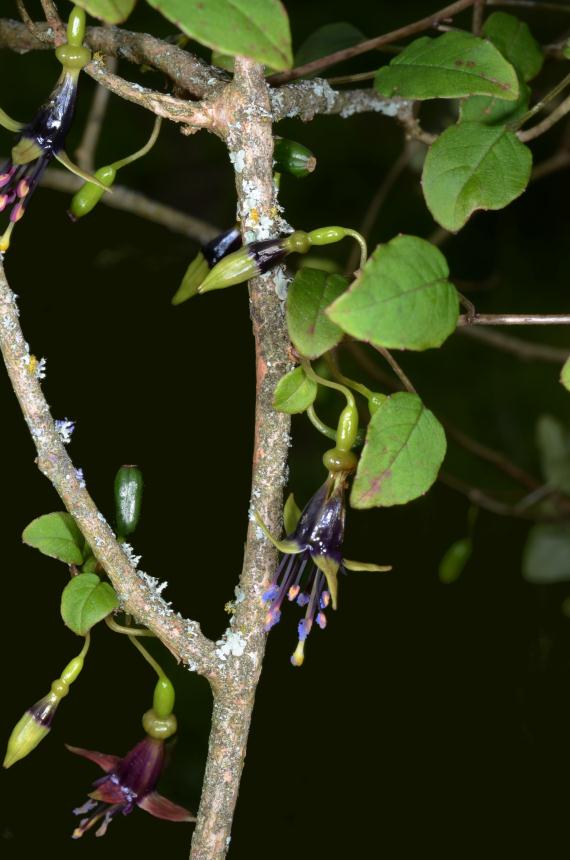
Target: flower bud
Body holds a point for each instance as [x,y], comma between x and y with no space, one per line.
[252,260]
[31,728]
[89,195]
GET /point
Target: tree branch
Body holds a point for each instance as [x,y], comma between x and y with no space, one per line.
[371,44]
[514,319]
[127,200]
[137,591]
[249,133]
[540,128]
[524,349]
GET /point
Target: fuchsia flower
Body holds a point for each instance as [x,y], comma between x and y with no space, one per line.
[312,559]
[128,782]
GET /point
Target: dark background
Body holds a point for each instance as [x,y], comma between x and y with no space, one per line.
[428,719]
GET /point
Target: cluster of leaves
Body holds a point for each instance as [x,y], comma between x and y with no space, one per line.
[86,599]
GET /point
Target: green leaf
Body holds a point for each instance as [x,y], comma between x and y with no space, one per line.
[472,166]
[85,601]
[312,291]
[403,299]
[515,42]
[56,535]
[404,449]
[291,514]
[111,11]
[565,374]
[449,66]
[295,392]
[566,50]
[554,447]
[546,557]
[454,560]
[327,40]
[254,28]
[493,111]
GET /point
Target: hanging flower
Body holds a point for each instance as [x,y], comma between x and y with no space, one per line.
[44,137]
[39,142]
[312,559]
[128,782]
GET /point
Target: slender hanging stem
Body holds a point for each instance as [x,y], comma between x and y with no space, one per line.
[328,383]
[86,645]
[362,242]
[144,149]
[126,631]
[150,660]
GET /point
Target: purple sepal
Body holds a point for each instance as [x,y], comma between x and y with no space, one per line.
[266,254]
[222,245]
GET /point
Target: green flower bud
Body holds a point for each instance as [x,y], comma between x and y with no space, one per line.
[163,699]
[128,499]
[294,158]
[36,722]
[89,195]
[327,235]
[31,729]
[347,428]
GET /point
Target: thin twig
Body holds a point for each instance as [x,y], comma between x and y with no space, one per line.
[559,161]
[135,590]
[524,349]
[53,21]
[36,32]
[540,128]
[546,99]
[485,500]
[514,319]
[396,368]
[478,13]
[378,200]
[127,200]
[370,44]
[85,152]
[531,4]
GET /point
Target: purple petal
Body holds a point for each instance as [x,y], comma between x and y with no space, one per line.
[105,762]
[161,807]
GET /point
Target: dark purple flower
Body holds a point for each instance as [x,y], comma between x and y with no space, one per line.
[222,245]
[40,141]
[312,558]
[129,782]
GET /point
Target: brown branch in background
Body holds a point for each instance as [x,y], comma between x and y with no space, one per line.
[513,319]
[377,202]
[484,452]
[127,200]
[53,21]
[137,591]
[478,13]
[540,128]
[559,161]
[370,44]
[396,368]
[85,152]
[531,4]
[34,29]
[488,502]
[525,349]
